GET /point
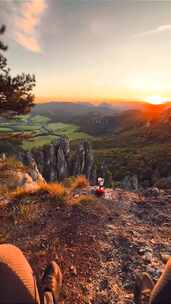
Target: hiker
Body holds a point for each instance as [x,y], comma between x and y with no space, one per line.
[18,282]
[100,182]
[100,189]
[159,293]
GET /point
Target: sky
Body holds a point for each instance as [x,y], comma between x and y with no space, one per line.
[91,50]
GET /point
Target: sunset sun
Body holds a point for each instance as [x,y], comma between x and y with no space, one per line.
[156,100]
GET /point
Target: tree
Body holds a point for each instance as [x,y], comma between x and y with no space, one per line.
[16,95]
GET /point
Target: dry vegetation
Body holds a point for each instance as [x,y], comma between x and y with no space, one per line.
[78,183]
[54,190]
[9,169]
[59,192]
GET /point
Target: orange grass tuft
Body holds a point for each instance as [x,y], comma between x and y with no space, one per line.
[79,182]
[54,190]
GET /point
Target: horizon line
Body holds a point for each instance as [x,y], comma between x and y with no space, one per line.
[40,100]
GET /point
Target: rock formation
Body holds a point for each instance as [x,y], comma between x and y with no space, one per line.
[84,160]
[130,183]
[53,160]
[32,169]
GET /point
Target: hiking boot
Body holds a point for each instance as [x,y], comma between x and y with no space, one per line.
[52,280]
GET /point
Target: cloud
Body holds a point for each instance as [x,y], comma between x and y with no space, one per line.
[28,42]
[26,24]
[159,29]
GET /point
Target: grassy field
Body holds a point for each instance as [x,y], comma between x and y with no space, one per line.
[42,128]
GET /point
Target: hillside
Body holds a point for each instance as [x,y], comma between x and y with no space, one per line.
[128,142]
[140,124]
[99,243]
[34,131]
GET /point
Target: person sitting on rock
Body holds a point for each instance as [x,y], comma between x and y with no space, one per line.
[18,283]
[100,189]
[100,182]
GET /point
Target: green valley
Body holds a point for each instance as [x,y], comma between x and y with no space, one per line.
[39,130]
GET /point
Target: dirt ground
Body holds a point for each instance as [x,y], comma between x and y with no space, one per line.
[99,245]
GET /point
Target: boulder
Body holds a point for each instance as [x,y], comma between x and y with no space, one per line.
[31,165]
[130,183]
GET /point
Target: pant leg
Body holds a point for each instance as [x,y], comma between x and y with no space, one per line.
[17,281]
[161,293]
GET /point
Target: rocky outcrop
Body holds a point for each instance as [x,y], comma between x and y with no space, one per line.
[23,180]
[14,174]
[62,158]
[151,192]
[31,165]
[83,160]
[130,183]
[53,160]
[55,163]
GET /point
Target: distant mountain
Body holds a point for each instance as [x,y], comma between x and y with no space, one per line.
[126,123]
[124,105]
[79,108]
[69,111]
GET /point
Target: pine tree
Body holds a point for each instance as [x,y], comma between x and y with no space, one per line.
[16,95]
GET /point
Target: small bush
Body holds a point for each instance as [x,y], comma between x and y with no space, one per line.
[116,184]
[25,211]
[69,181]
[54,190]
[11,163]
[79,182]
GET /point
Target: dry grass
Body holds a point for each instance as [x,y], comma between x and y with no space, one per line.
[4,189]
[83,198]
[11,163]
[68,181]
[24,211]
[79,182]
[10,170]
[21,192]
[54,190]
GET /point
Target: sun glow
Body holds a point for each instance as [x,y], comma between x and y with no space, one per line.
[156,100]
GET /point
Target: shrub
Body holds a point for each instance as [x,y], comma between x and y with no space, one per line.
[69,181]
[11,163]
[22,191]
[54,190]
[79,182]
[25,211]
[116,184]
